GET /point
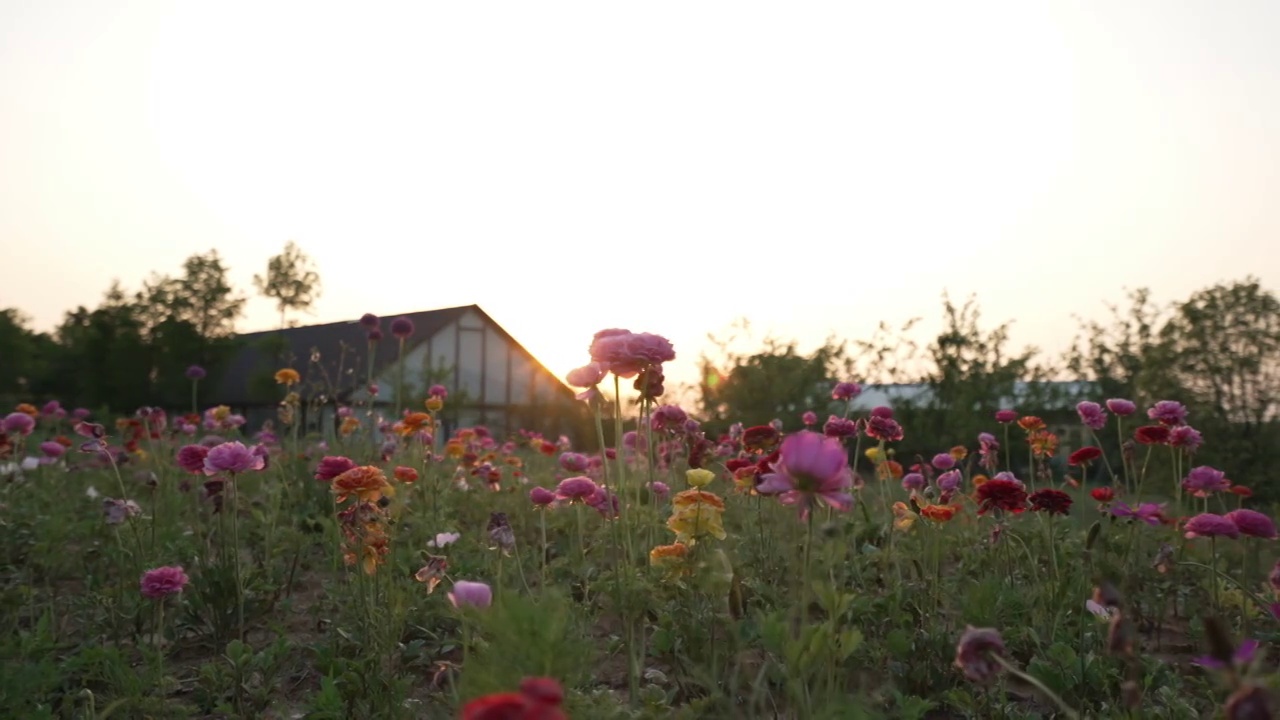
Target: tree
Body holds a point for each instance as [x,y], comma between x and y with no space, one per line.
[24,361]
[105,358]
[291,280]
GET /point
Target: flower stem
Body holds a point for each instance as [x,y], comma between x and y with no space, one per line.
[1032,681]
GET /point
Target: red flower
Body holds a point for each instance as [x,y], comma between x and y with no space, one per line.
[1084,456]
[1000,494]
[1241,490]
[538,699]
[1103,494]
[1152,435]
[761,437]
[1054,502]
[1031,423]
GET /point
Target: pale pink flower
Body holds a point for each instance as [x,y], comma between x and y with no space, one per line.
[810,468]
[161,582]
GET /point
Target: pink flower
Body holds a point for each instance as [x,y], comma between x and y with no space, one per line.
[161,582]
[1121,407]
[588,375]
[438,391]
[943,461]
[883,428]
[52,449]
[809,418]
[1185,436]
[1006,416]
[574,462]
[1168,412]
[810,468]
[1149,513]
[1092,415]
[331,466]
[1203,481]
[846,391]
[1210,525]
[913,481]
[1253,523]
[17,424]
[232,457]
[627,353]
[838,427]
[576,488]
[949,480]
[541,496]
[974,653]
[191,458]
[659,489]
[471,594]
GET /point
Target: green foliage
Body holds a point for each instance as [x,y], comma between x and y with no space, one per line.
[291,280]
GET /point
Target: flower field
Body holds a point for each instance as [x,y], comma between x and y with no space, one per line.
[178,563]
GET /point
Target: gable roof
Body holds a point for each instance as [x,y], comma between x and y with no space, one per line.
[331,342]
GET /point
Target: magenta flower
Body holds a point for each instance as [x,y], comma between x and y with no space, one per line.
[1092,415]
[974,653]
[1149,513]
[1006,416]
[401,327]
[80,413]
[232,457]
[846,391]
[195,373]
[1253,523]
[943,461]
[51,449]
[580,489]
[627,353]
[1121,407]
[17,424]
[810,468]
[588,375]
[883,428]
[331,466]
[541,496]
[471,594]
[659,489]
[369,320]
[1185,436]
[1210,525]
[191,458]
[574,462]
[809,418]
[374,335]
[838,427]
[913,482]
[438,391]
[158,583]
[1168,412]
[1240,658]
[949,481]
[1203,481]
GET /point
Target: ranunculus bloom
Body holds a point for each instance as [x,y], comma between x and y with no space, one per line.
[161,582]
[659,489]
[232,457]
[541,496]
[1168,412]
[913,481]
[1149,513]
[369,320]
[1092,415]
[52,449]
[949,480]
[438,391]
[943,461]
[809,417]
[1121,407]
[470,594]
[1031,423]
[406,475]
[810,468]
[761,437]
[288,377]
[17,424]
[574,462]
[538,699]
[1253,523]
[1054,502]
[191,458]
[1210,525]
[974,653]
[366,482]
[1152,435]
[884,428]
[1084,456]
[845,391]
[1241,490]
[588,375]
[1103,494]
[838,427]
[882,411]
[939,513]
[1006,416]
[1001,494]
[1203,481]
[331,466]
[195,372]
[576,489]
[401,327]
[1186,437]
[627,353]
[699,477]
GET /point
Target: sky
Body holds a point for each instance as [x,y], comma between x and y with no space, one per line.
[666,167]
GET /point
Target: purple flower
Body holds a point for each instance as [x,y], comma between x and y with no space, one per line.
[1210,525]
[53,408]
[1253,523]
[1168,412]
[668,417]
[576,488]
[1242,656]
[17,424]
[883,428]
[846,391]
[1185,436]
[1149,513]
[574,462]
[1092,415]
[659,489]
[375,335]
[810,468]
[232,457]
[195,372]
[912,482]
[1121,407]
[191,458]
[471,594]
[369,320]
[161,582]
[1006,416]
[943,461]
[402,327]
[588,375]
[541,496]
[1203,481]
[52,449]
[949,481]
[838,427]
[974,653]
[438,391]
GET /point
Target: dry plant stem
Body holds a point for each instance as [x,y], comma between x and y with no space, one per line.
[1009,667]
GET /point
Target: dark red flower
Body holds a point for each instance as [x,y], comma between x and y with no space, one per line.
[884,428]
[1103,494]
[538,699]
[735,464]
[1152,435]
[1054,502]
[999,494]
[1241,490]
[761,437]
[1084,456]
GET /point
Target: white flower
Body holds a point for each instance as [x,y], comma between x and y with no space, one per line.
[92,493]
[443,539]
[30,463]
[1101,612]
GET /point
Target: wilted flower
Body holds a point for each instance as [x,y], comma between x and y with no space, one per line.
[500,533]
[1121,407]
[1054,502]
[1092,415]
[232,457]
[117,511]
[1253,523]
[433,572]
[161,582]
[975,652]
[810,468]
[1168,412]
[1210,525]
[443,540]
[471,594]
[331,466]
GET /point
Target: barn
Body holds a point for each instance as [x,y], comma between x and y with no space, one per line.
[492,380]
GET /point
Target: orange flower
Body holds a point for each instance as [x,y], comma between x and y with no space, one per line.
[288,377]
[27,409]
[413,422]
[959,452]
[889,469]
[349,425]
[695,497]
[1044,444]
[454,448]
[366,482]
[466,434]
[406,475]
[979,479]
[667,554]
[939,513]
[1031,423]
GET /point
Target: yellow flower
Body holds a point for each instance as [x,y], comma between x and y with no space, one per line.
[222,412]
[873,454]
[904,518]
[288,377]
[696,514]
[699,477]
[434,404]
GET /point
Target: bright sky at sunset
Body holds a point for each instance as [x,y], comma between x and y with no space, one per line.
[662,166]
